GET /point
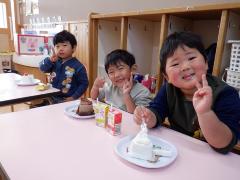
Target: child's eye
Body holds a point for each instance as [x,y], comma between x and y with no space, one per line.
[174,64]
[191,58]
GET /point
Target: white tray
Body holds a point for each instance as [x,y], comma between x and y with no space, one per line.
[20,83]
[121,150]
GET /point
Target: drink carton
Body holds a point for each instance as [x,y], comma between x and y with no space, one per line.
[101,114]
[114,122]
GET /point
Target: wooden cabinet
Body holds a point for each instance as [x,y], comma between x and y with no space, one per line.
[143,32]
[80,30]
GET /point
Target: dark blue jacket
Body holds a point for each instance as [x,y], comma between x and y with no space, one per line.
[226,105]
[69,76]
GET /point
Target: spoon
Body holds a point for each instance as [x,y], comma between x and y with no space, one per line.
[143,125]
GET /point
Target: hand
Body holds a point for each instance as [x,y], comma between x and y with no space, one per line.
[53,57]
[99,83]
[127,86]
[202,98]
[141,113]
[68,99]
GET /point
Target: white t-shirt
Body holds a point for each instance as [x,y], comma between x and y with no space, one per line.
[113,95]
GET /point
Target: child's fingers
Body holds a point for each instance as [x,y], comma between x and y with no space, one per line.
[131,78]
[204,80]
[198,85]
[100,79]
[147,114]
[53,51]
[138,115]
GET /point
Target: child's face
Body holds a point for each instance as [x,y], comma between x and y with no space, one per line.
[119,74]
[185,67]
[64,50]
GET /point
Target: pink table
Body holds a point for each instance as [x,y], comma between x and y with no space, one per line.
[45,144]
[11,93]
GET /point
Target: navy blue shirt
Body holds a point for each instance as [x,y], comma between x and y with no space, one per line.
[69,76]
[226,106]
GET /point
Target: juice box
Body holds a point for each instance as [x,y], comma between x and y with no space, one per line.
[114,122]
[101,114]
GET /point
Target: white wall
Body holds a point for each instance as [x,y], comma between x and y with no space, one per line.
[108,40]
[79,9]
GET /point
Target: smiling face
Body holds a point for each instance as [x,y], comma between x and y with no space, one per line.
[64,50]
[185,67]
[119,73]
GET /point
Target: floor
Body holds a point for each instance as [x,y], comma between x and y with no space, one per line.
[17,107]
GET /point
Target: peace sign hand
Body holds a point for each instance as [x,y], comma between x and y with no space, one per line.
[53,57]
[202,98]
[127,86]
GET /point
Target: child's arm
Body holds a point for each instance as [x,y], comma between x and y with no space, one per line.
[47,64]
[156,112]
[98,83]
[215,131]
[82,81]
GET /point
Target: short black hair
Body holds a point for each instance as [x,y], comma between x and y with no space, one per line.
[181,39]
[117,56]
[64,36]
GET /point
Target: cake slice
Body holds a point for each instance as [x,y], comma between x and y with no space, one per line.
[141,147]
[85,107]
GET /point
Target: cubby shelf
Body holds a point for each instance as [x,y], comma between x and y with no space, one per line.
[143,32]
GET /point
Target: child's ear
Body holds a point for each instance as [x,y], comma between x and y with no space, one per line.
[134,68]
[74,48]
[206,66]
[166,77]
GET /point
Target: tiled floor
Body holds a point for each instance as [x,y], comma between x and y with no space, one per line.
[17,107]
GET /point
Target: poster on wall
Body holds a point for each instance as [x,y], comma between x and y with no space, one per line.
[30,44]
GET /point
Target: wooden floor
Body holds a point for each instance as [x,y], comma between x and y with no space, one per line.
[17,107]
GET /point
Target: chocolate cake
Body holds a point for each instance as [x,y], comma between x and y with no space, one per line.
[85,107]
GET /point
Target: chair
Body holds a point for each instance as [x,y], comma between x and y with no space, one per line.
[236,148]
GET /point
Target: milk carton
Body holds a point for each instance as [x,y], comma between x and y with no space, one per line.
[101,114]
[114,122]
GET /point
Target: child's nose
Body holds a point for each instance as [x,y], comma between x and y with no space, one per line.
[116,73]
[185,65]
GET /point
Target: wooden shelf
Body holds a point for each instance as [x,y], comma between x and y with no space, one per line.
[217,15]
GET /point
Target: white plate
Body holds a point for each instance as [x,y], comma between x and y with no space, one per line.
[121,150]
[20,83]
[71,112]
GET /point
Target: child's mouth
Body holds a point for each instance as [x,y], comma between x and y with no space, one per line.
[188,76]
[119,81]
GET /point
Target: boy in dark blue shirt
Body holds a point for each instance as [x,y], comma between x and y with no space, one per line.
[195,103]
[66,72]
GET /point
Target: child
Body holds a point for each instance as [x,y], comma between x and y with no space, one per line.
[195,104]
[67,73]
[124,92]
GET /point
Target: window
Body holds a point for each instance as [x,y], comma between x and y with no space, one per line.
[3,16]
